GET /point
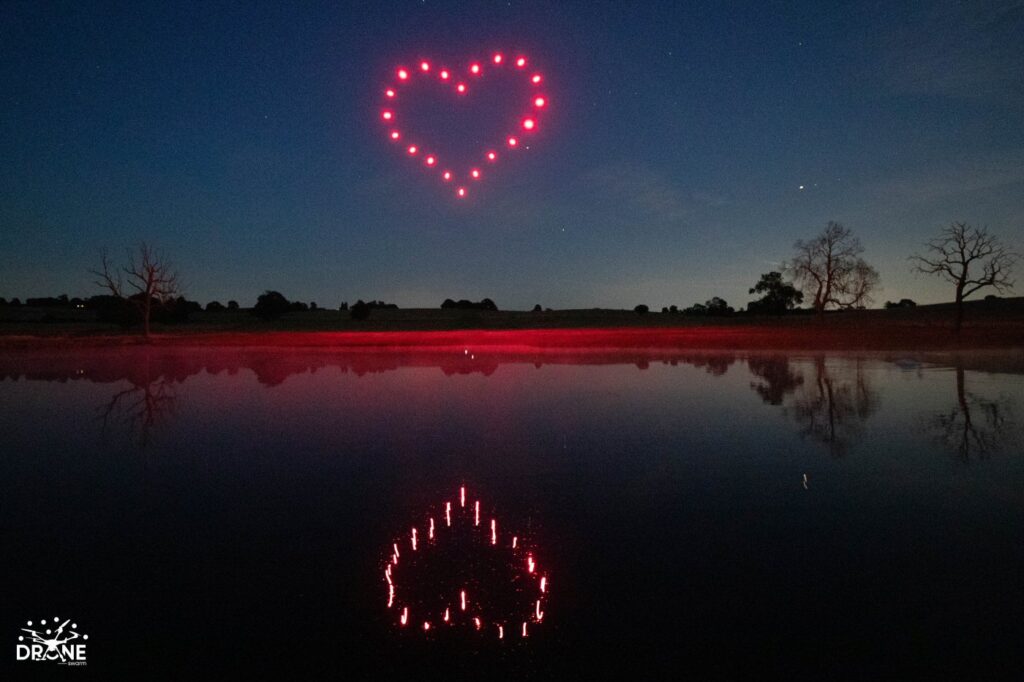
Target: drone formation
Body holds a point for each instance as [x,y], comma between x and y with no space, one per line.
[456,571]
[459,83]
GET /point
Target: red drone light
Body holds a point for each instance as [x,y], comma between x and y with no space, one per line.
[529,123]
[465,579]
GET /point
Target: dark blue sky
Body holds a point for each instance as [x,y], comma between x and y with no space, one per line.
[244,140]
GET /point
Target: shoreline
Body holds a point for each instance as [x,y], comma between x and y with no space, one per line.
[720,337]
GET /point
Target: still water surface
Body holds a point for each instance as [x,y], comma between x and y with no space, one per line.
[208,512]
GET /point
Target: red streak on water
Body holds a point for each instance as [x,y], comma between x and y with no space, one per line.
[430,533]
[462,598]
[524,629]
[448,513]
[405,616]
[446,615]
[476,513]
[529,564]
[543,584]
[494,531]
[462,496]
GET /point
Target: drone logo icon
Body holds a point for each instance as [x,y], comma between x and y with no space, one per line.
[52,642]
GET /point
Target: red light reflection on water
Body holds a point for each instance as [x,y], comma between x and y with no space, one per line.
[516,603]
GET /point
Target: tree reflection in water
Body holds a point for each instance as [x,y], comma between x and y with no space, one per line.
[150,399]
[777,378]
[974,427]
[830,407]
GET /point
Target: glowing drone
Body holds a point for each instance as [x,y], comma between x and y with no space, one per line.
[457,572]
[458,83]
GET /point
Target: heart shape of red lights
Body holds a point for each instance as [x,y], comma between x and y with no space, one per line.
[460,86]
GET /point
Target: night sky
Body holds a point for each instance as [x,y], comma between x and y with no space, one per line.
[244,139]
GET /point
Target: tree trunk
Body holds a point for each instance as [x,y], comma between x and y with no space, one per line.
[958,320]
[145,315]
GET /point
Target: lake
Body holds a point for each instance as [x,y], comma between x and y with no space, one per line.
[235,513]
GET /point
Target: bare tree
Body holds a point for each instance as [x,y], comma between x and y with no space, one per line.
[971,259]
[829,268]
[147,275]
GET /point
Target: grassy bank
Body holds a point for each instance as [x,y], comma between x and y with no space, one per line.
[988,324]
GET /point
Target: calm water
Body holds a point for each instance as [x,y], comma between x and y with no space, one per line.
[231,512]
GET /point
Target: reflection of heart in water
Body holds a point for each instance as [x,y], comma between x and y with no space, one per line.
[458,570]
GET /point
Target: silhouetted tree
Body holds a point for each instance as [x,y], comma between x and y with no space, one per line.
[902,303]
[466,304]
[344,306]
[360,311]
[958,254]
[716,307]
[215,307]
[147,274]
[232,305]
[778,296]
[271,305]
[696,310]
[537,308]
[829,268]
[641,309]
